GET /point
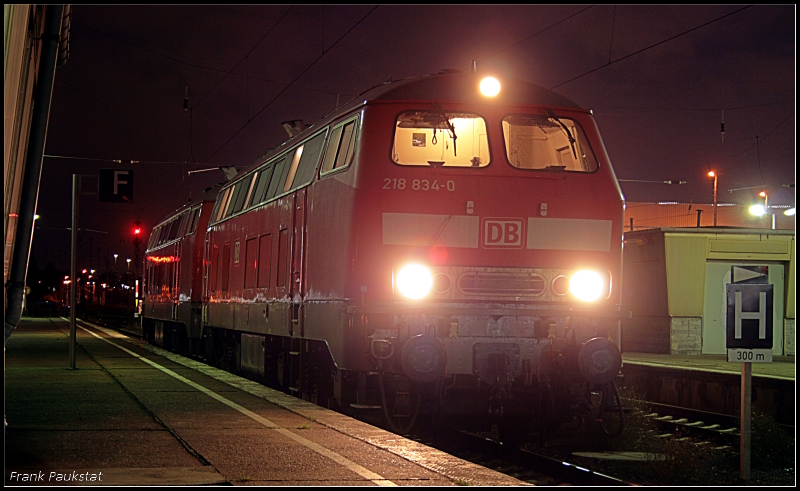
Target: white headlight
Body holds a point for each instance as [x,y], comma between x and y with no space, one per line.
[586,285]
[414,281]
[490,86]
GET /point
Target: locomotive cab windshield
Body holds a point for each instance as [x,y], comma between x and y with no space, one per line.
[539,142]
[428,138]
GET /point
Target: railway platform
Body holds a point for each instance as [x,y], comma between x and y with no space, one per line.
[133,414]
[710,383]
[781,367]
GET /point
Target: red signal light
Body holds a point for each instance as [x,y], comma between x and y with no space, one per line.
[136,231]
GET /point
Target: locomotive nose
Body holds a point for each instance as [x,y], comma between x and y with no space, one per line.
[423,358]
[599,360]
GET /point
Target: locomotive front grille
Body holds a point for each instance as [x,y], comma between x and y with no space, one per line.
[503,284]
[482,283]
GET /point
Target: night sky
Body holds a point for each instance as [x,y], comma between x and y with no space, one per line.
[657,78]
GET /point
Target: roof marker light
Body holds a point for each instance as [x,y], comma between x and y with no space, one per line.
[490,87]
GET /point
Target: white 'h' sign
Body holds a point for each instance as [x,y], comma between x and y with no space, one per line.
[761,315]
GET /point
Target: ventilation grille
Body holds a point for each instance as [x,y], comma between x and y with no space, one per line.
[501,284]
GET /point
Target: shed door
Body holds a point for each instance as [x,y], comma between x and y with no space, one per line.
[718,275]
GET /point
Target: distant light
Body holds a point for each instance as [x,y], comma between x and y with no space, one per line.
[35,217]
[758,210]
[490,86]
[668,203]
[711,173]
[84,271]
[789,212]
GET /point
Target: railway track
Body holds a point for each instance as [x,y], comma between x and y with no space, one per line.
[720,430]
[526,465]
[717,431]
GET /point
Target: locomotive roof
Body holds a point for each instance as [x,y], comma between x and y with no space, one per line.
[463,86]
[209,194]
[446,86]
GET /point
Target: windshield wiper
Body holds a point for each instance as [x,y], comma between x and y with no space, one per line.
[448,125]
[569,135]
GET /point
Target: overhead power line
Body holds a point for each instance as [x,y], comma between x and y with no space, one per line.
[292,83]
[245,56]
[651,46]
[88,93]
[117,161]
[537,33]
[195,65]
[710,109]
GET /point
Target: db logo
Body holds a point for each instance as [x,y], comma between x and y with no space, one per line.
[502,233]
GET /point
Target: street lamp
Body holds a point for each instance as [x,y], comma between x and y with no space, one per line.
[712,174]
[129,263]
[115,260]
[761,210]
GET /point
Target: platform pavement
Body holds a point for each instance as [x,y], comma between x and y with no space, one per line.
[119,419]
[781,367]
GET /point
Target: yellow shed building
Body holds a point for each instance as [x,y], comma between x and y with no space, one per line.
[676,279]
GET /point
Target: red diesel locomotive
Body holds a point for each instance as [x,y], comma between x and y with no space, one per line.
[173,276]
[448,244]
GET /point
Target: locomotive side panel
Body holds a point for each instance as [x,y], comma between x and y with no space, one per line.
[333,215]
[256,245]
[264,307]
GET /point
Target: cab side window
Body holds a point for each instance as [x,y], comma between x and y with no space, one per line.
[341,147]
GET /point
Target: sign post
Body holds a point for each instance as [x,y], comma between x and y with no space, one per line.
[116,186]
[748,335]
[73,286]
[77,191]
[113,185]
